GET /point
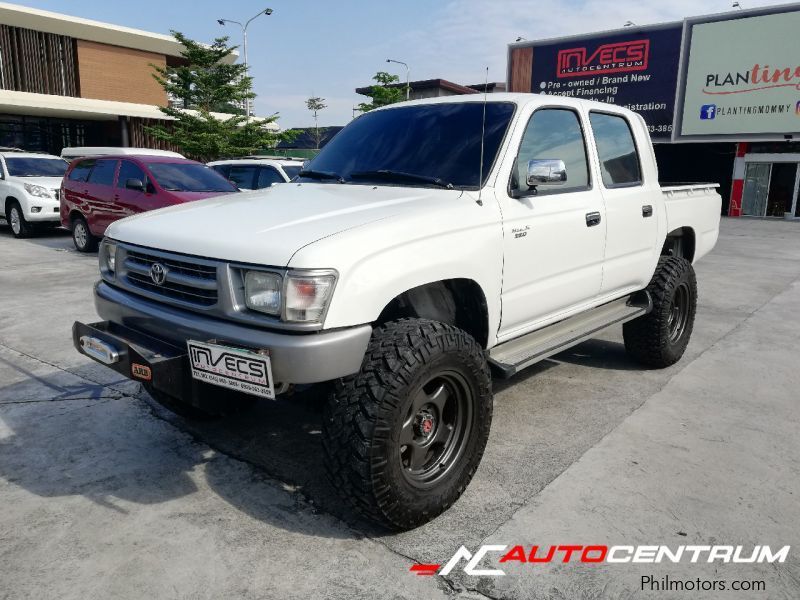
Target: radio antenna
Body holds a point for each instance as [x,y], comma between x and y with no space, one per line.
[483,134]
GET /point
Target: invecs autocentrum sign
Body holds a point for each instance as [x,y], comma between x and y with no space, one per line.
[742,76]
[635,68]
[621,57]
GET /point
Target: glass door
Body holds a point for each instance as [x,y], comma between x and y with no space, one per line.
[782,182]
[756,189]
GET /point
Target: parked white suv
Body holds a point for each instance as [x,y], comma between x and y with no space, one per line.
[254,173]
[29,188]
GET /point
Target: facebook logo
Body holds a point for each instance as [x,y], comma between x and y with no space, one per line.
[708,111]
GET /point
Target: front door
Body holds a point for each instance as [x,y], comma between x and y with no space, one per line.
[553,236]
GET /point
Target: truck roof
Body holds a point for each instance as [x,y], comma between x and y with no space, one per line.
[515,97]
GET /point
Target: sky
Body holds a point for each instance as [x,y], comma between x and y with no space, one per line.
[323,48]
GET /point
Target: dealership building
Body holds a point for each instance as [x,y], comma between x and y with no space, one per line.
[67,81]
[720,95]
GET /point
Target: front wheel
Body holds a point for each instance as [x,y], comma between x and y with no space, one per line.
[16,220]
[404,436]
[659,338]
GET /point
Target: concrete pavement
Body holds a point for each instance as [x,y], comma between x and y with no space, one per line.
[105,494]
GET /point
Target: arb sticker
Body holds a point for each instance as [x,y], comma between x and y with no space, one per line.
[141,371]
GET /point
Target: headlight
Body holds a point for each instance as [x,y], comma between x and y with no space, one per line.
[297,297]
[37,190]
[263,292]
[108,258]
[308,296]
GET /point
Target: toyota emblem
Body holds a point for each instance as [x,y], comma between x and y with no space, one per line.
[158,273]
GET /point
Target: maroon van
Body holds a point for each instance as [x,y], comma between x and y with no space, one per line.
[97,191]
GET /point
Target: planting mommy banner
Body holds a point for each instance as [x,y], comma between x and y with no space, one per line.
[743,77]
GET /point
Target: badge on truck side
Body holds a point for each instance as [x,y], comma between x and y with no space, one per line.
[232,368]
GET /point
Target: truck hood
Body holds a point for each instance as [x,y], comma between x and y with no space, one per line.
[268,226]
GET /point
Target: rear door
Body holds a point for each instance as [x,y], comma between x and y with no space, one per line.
[100,195]
[553,237]
[632,222]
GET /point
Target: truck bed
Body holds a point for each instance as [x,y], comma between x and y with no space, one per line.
[694,205]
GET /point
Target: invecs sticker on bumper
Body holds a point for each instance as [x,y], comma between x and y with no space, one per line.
[232,368]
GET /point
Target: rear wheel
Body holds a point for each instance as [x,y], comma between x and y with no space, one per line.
[16,220]
[659,338]
[404,436]
[81,236]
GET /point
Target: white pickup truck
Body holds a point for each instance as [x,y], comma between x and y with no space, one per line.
[431,245]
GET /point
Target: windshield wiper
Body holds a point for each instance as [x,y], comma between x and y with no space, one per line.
[389,175]
[311,174]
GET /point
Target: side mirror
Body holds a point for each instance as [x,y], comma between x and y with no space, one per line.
[546,171]
[134,184]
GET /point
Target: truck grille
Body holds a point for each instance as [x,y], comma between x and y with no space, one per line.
[188,282]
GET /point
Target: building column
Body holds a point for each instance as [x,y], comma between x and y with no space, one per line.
[123,130]
[737,187]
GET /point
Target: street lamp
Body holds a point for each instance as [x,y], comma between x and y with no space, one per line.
[399,62]
[267,11]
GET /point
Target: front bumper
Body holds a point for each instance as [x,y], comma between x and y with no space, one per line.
[49,210]
[157,334]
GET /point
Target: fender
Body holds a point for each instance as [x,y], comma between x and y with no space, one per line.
[453,240]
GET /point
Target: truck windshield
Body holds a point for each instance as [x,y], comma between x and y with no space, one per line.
[189,177]
[436,145]
[28,166]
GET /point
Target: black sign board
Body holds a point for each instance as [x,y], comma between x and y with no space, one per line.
[637,69]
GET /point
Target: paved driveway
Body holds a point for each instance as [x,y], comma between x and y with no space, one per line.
[103,494]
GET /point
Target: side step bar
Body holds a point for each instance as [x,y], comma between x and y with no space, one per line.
[511,357]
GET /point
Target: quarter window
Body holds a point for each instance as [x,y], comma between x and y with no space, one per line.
[619,160]
[81,171]
[553,133]
[103,172]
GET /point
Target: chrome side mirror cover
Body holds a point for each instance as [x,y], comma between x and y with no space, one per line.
[546,171]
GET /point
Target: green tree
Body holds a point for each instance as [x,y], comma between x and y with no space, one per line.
[207,84]
[383,93]
[315,104]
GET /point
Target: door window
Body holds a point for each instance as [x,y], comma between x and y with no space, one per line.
[267,176]
[103,172]
[619,160]
[129,170]
[243,176]
[553,133]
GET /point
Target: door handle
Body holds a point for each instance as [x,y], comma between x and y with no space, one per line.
[647,211]
[592,219]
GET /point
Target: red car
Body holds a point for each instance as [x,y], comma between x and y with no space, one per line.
[97,191]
